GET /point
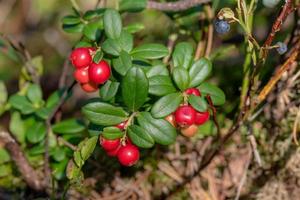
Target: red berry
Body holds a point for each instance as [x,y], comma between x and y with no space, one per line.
[193,91]
[109,145]
[128,155]
[201,117]
[81,75]
[81,57]
[185,115]
[114,152]
[171,120]
[89,87]
[99,73]
[121,126]
[189,131]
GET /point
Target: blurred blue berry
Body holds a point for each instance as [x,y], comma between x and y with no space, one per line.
[221,26]
[282,48]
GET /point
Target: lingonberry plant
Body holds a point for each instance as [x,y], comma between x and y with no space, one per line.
[135,102]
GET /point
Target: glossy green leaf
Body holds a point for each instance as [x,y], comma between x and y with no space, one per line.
[109,90]
[183,55]
[198,103]
[216,94]
[112,23]
[58,154]
[98,57]
[199,71]
[34,93]
[36,132]
[156,70]
[126,41]
[88,148]
[135,27]
[161,85]
[16,127]
[112,133]
[112,47]
[69,126]
[135,88]
[123,63]
[91,14]
[159,129]
[140,137]
[94,129]
[4,156]
[181,78]
[43,113]
[3,93]
[166,105]
[77,158]
[5,170]
[132,5]
[92,31]
[150,51]
[76,28]
[21,103]
[71,20]
[54,98]
[104,114]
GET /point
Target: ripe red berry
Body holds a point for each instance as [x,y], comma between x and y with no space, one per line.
[201,117]
[185,115]
[80,57]
[89,87]
[114,152]
[171,120]
[109,145]
[193,91]
[99,73]
[121,126]
[128,155]
[81,75]
[189,131]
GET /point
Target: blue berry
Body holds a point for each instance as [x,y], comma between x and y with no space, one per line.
[282,48]
[221,26]
[270,3]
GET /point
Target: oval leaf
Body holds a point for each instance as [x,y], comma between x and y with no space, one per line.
[199,103]
[88,148]
[36,132]
[199,71]
[109,90]
[150,51]
[135,88]
[216,94]
[69,126]
[181,78]
[123,63]
[21,103]
[166,105]
[183,55]
[132,5]
[159,69]
[112,23]
[161,85]
[34,93]
[112,133]
[140,137]
[112,47]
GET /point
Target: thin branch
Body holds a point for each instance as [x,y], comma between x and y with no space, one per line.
[214,113]
[175,6]
[28,173]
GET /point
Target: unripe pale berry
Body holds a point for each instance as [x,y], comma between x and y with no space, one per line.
[89,87]
[171,120]
[81,75]
[128,155]
[221,26]
[189,131]
[99,72]
[201,117]
[193,91]
[80,57]
[109,145]
[282,48]
[185,115]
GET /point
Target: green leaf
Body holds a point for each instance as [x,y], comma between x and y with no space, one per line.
[94,130]
[166,105]
[69,126]
[181,78]
[43,113]
[216,94]
[36,132]
[199,103]
[16,127]
[34,93]
[183,55]
[157,70]
[76,28]
[88,148]
[21,103]
[161,85]
[150,51]
[71,20]
[199,71]
[3,94]
[92,31]
[54,98]
[58,154]
[77,158]
[36,150]
[109,90]
[159,129]
[98,56]
[5,170]
[111,46]
[112,133]
[140,137]
[126,41]
[123,63]
[112,23]
[82,44]
[104,114]
[91,14]
[73,172]
[4,156]
[132,5]
[135,27]
[135,88]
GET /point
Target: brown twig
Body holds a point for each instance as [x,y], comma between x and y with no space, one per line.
[175,6]
[29,174]
[213,108]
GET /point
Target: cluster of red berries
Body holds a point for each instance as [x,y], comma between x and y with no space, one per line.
[128,154]
[187,118]
[88,73]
